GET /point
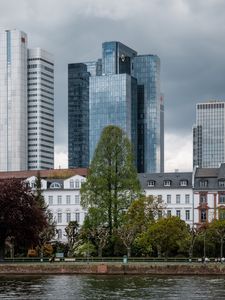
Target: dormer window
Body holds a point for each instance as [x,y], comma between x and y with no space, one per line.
[203,183]
[77,184]
[183,183]
[151,183]
[55,185]
[221,183]
[167,182]
[72,184]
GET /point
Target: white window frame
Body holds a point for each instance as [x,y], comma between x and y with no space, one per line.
[168,199]
[50,200]
[68,199]
[187,198]
[167,182]
[59,199]
[151,183]
[59,217]
[178,198]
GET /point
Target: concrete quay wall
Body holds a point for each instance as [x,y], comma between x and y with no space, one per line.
[113,268]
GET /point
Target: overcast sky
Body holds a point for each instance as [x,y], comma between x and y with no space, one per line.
[187,35]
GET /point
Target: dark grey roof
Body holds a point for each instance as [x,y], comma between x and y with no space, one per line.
[206,172]
[221,173]
[159,178]
[212,176]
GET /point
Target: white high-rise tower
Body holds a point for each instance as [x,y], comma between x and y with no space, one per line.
[26,104]
[40,109]
[13,100]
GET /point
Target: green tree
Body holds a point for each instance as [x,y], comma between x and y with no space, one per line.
[112,182]
[94,229]
[85,249]
[72,235]
[141,213]
[21,219]
[217,233]
[144,211]
[165,235]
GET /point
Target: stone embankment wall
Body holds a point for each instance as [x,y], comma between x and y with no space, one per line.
[110,268]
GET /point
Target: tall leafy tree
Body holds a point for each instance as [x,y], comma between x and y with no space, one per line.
[20,216]
[112,183]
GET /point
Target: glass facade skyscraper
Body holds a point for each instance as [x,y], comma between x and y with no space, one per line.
[147,70]
[78,114]
[113,101]
[124,90]
[208,134]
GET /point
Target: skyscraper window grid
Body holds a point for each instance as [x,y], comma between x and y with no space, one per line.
[135,106]
[208,134]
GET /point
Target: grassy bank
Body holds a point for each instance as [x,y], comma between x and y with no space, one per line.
[164,268]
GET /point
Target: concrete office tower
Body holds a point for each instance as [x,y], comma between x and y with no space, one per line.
[40,110]
[13,100]
[123,90]
[208,135]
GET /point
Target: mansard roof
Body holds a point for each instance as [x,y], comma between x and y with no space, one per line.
[206,172]
[210,178]
[175,179]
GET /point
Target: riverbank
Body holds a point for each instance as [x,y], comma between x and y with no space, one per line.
[113,268]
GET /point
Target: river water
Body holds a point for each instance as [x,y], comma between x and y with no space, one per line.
[109,287]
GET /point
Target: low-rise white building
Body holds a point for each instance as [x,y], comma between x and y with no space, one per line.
[196,197]
[175,190]
[61,191]
[63,200]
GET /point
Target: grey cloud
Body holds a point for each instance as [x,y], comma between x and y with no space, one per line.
[188,36]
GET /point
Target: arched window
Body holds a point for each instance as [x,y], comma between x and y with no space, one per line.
[55,185]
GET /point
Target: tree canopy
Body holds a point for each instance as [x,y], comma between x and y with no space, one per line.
[112,182]
[142,212]
[20,214]
[165,235]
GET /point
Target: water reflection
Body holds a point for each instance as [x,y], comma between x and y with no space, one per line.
[111,287]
